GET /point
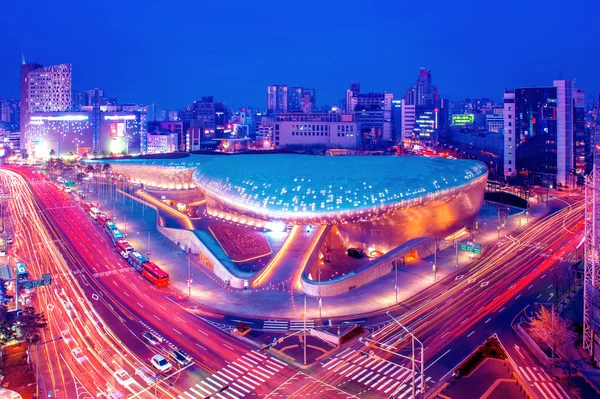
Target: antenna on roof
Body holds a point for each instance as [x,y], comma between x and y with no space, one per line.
[22,57]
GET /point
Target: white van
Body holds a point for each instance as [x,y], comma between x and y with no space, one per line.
[94,212]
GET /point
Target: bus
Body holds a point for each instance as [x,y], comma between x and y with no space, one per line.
[102,219]
[109,225]
[155,274]
[124,248]
[22,271]
[115,235]
[94,212]
[137,260]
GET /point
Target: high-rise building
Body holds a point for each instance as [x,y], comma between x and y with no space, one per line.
[43,89]
[205,114]
[542,126]
[422,92]
[94,96]
[277,99]
[373,113]
[308,100]
[294,98]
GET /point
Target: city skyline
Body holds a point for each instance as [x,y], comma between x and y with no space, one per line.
[243,62]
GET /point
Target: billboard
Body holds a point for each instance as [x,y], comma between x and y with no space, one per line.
[462,119]
[117,130]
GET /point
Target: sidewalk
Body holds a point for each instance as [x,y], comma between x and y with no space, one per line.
[281,301]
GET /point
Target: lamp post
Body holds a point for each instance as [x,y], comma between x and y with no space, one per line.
[395,263]
[413,358]
[37,367]
[189,282]
[320,298]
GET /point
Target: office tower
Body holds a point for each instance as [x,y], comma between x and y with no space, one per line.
[43,89]
[350,94]
[308,101]
[373,113]
[541,127]
[79,100]
[422,92]
[277,99]
[294,98]
[94,97]
[205,114]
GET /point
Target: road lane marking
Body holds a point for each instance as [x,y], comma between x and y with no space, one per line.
[538,297]
[488,320]
[177,331]
[518,296]
[140,305]
[464,320]
[158,318]
[504,307]
[472,332]
[201,346]
[530,287]
[227,346]
[203,332]
[445,335]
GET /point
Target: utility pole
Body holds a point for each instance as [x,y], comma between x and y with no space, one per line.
[148,244]
[304,329]
[189,267]
[456,247]
[320,298]
[395,263]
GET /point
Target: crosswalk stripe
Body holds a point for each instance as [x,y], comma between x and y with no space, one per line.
[394,385]
[368,382]
[364,377]
[255,376]
[407,392]
[383,385]
[259,354]
[229,371]
[190,395]
[243,362]
[532,374]
[248,380]
[249,359]
[379,381]
[202,388]
[335,364]
[344,352]
[353,355]
[224,375]
[253,356]
[359,374]
[220,396]
[563,391]
[340,366]
[267,376]
[555,390]
[245,384]
[220,379]
[234,390]
[208,385]
[358,368]
[385,366]
[400,369]
[546,375]
[361,362]
[180,397]
[524,373]
[330,362]
[390,370]
[242,366]
[271,368]
[267,372]
[278,361]
[550,393]
[342,372]
[215,383]
[541,390]
[240,387]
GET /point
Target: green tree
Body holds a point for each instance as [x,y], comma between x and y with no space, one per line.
[89,169]
[52,153]
[31,324]
[7,333]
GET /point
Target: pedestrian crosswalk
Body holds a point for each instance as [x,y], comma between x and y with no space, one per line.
[237,379]
[275,325]
[538,378]
[379,375]
[296,325]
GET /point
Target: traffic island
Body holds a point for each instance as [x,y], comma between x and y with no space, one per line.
[485,374]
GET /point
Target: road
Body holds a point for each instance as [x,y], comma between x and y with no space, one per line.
[97,280]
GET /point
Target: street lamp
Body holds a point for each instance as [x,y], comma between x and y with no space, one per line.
[37,367]
[413,360]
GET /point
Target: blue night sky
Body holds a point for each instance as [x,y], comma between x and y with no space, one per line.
[173,52]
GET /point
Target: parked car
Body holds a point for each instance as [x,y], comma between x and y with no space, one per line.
[160,363]
[151,338]
[123,378]
[79,355]
[180,357]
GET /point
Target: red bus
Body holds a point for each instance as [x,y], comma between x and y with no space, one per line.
[102,219]
[87,206]
[155,274]
[124,248]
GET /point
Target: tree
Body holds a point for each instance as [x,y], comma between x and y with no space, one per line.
[31,324]
[52,153]
[550,327]
[7,333]
[106,168]
[89,169]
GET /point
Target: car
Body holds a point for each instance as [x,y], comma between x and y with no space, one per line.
[147,375]
[160,363]
[9,239]
[180,357]
[67,190]
[123,378]
[152,339]
[68,307]
[66,334]
[79,355]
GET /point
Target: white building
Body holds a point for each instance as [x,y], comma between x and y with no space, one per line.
[162,143]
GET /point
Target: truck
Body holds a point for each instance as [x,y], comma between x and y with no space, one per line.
[94,212]
[124,248]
